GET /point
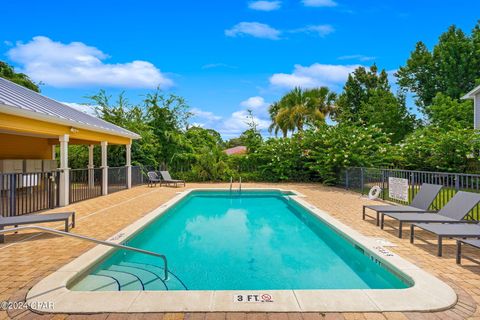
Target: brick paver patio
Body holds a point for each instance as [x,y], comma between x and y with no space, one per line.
[26,258]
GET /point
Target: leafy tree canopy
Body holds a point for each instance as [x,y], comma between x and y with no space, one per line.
[8,72]
[367,100]
[451,68]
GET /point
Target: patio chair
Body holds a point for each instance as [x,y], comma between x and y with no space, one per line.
[167,179]
[453,212]
[153,178]
[420,203]
[34,219]
[474,243]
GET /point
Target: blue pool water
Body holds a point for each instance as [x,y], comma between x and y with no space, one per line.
[216,240]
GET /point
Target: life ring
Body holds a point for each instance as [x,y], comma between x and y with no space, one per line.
[374,193]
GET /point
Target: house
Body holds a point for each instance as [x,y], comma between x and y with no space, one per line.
[31,126]
[236,150]
[475,96]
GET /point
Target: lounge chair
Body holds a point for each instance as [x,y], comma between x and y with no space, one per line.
[34,219]
[447,231]
[420,203]
[153,178]
[167,179]
[453,212]
[474,243]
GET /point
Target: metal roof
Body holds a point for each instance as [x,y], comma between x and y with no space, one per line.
[34,105]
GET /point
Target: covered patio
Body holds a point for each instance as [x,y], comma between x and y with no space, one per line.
[35,134]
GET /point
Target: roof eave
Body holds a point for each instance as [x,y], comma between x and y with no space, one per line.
[52,119]
[471,94]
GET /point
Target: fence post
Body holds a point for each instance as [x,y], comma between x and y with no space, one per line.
[361,178]
[413,184]
[457,183]
[346,178]
[383,184]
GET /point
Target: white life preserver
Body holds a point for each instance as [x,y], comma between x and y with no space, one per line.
[374,193]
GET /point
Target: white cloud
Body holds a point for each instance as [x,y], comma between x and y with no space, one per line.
[359,57]
[254,29]
[218,65]
[265,5]
[76,64]
[254,103]
[235,123]
[85,108]
[314,75]
[321,30]
[205,115]
[319,3]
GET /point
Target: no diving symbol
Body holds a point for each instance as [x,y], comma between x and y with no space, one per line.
[267,298]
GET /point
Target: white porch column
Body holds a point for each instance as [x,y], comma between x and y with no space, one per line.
[54,152]
[128,157]
[64,171]
[104,144]
[91,173]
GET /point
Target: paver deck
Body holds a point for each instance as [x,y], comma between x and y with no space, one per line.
[27,257]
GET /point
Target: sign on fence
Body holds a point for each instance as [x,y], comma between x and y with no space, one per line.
[398,189]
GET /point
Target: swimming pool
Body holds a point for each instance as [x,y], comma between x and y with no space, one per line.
[265,250]
[217,240]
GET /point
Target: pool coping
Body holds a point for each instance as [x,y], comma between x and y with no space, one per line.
[428,293]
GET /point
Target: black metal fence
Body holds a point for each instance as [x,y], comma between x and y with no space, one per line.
[117,179]
[22,193]
[85,184]
[362,179]
[137,175]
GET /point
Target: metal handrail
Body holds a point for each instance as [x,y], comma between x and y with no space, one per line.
[240,186]
[106,243]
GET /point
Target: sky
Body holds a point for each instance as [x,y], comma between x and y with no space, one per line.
[224,57]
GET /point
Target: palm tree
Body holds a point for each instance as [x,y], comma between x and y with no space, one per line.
[300,108]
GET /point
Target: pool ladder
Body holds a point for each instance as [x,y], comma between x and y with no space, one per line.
[239,186]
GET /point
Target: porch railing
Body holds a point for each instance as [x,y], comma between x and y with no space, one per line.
[362,179]
[85,184]
[117,179]
[23,193]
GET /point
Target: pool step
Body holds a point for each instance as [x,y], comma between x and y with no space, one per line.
[130,276]
[127,280]
[150,280]
[173,282]
[94,282]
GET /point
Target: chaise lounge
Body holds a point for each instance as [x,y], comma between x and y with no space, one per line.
[420,203]
[167,179]
[153,179]
[453,212]
[36,218]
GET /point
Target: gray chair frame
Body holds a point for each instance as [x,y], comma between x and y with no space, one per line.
[453,212]
[167,179]
[34,219]
[153,179]
[420,203]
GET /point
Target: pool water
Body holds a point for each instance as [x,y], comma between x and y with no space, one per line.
[217,240]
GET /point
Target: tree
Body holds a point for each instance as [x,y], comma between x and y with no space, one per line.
[367,100]
[418,75]
[8,72]
[301,107]
[133,118]
[168,115]
[446,113]
[452,68]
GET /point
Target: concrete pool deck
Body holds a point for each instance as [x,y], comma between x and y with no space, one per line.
[27,258]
